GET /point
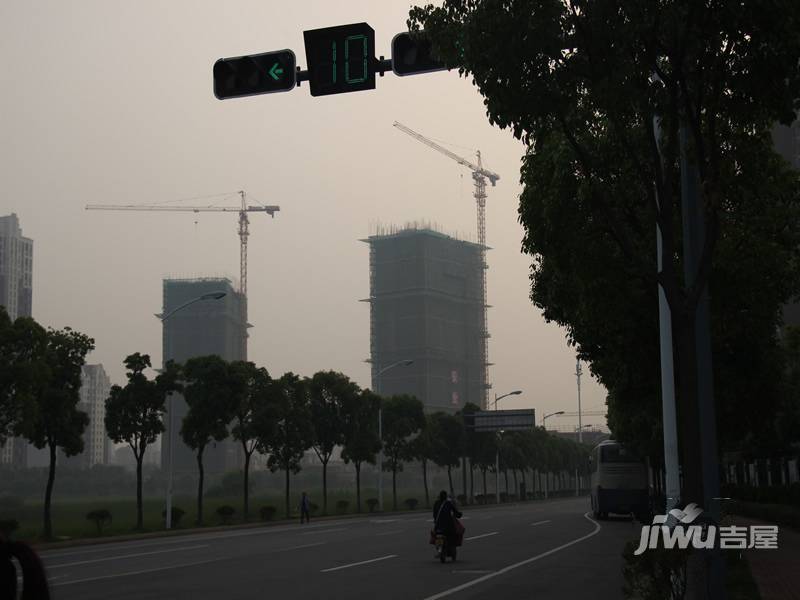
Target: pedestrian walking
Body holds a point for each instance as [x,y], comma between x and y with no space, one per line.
[305,508]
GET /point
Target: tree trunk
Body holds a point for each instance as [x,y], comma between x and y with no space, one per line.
[505,474]
[48,494]
[688,414]
[425,482]
[394,486]
[464,476]
[483,472]
[200,486]
[288,510]
[246,511]
[450,480]
[358,486]
[471,482]
[516,483]
[139,516]
[325,487]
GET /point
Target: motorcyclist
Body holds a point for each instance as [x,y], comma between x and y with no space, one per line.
[445,514]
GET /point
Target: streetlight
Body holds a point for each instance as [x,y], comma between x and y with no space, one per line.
[400,363]
[497,451]
[578,373]
[497,398]
[579,430]
[544,418]
[207,296]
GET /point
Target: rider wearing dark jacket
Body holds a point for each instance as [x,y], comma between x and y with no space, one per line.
[445,514]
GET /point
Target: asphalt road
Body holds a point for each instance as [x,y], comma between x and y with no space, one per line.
[539,550]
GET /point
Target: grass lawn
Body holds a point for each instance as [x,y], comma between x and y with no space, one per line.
[69,515]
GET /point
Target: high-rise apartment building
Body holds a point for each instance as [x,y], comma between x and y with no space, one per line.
[95,387]
[426,305]
[200,328]
[16,295]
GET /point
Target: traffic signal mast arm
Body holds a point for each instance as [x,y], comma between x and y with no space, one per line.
[491,176]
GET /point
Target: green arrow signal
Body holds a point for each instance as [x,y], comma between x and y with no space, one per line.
[276,72]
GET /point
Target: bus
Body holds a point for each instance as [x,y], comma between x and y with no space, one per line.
[619,481]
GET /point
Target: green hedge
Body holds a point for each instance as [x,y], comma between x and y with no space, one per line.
[780,514]
[774,494]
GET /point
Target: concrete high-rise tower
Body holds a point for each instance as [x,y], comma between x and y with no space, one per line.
[426,305]
[16,295]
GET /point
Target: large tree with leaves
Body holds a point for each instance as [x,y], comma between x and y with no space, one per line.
[211,391]
[291,433]
[328,393]
[52,420]
[134,413]
[403,418]
[250,407]
[446,446]
[361,442]
[584,82]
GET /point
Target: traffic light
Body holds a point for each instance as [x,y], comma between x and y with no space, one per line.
[412,55]
[340,59]
[255,74]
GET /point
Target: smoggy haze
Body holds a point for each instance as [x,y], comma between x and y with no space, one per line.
[111,102]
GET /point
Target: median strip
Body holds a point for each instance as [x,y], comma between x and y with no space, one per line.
[356,564]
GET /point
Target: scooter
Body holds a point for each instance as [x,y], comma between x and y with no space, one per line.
[443,549]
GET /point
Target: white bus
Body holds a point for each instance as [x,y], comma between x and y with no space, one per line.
[619,482]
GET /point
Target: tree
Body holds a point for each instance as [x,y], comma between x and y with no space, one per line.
[403,416]
[328,392]
[583,82]
[211,392]
[361,442]
[253,383]
[293,433]
[52,420]
[421,448]
[22,343]
[134,413]
[446,444]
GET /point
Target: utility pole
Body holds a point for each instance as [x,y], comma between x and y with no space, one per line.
[578,373]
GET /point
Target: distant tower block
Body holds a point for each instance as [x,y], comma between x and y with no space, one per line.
[426,305]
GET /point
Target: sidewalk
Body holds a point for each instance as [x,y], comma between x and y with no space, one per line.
[776,572]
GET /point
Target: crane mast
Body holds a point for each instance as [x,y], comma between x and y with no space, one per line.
[479,177]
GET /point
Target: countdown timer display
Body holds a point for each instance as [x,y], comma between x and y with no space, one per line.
[340,59]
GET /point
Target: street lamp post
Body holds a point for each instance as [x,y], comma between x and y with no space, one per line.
[497,451]
[577,476]
[171,436]
[578,373]
[544,426]
[399,363]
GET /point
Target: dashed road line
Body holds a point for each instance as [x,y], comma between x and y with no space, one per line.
[356,564]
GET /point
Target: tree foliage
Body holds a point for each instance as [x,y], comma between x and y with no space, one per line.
[403,418]
[361,442]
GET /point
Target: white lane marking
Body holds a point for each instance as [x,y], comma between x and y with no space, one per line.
[107,558]
[356,564]
[477,537]
[384,520]
[191,564]
[301,546]
[522,563]
[323,531]
[473,571]
[540,523]
[390,532]
[182,539]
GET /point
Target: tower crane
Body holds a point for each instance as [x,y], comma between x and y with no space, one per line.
[244,223]
[479,177]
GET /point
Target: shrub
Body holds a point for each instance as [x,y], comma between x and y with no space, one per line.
[411,503]
[267,512]
[8,526]
[462,499]
[99,517]
[372,503]
[225,513]
[9,502]
[177,513]
[656,574]
[313,508]
[341,506]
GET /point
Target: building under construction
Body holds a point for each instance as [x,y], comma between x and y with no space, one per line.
[201,328]
[426,305]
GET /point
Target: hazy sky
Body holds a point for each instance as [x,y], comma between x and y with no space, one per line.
[106,101]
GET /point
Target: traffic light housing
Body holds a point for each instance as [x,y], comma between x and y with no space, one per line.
[254,74]
[340,59]
[412,54]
